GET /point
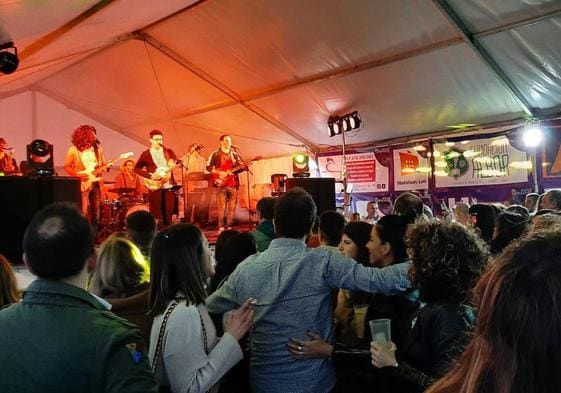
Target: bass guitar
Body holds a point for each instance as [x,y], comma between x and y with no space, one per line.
[94,174]
[223,176]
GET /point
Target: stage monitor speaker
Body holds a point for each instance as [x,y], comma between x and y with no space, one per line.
[321,189]
[21,197]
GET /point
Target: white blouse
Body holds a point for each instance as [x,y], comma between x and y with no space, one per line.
[184,365]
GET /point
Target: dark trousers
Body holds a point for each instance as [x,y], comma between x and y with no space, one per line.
[162,205]
[226,199]
[91,201]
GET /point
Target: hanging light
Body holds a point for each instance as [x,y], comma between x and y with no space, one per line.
[532,135]
[338,124]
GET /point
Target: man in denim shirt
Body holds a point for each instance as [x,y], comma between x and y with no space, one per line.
[293,286]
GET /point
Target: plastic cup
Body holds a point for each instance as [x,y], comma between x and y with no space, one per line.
[381,331]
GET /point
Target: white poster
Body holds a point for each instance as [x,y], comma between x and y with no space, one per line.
[411,170]
[364,172]
[479,162]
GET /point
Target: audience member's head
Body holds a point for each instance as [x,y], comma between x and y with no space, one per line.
[408,205]
[461,213]
[353,242]
[539,204]
[8,285]
[355,217]
[180,263]
[372,210]
[58,242]
[221,241]
[515,347]
[120,269]
[447,258]
[266,208]
[141,229]
[234,251]
[552,200]
[509,226]
[482,217]
[518,209]
[386,244]
[531,201]
[295,212]
[331,226]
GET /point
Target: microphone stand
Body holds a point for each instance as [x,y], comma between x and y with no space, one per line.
[250,225]
[184,186]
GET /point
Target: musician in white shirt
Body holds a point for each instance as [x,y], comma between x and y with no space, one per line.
[155,165]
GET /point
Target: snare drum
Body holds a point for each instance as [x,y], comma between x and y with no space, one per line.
[110,210]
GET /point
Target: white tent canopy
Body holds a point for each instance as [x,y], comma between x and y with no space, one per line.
[271,73]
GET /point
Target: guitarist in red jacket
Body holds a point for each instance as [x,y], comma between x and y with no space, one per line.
[221,164]
[155,165]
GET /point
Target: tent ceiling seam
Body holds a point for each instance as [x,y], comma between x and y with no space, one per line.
[516,24]
[55,96]
[56,34]
[329,75]
[454,19]
[224,89]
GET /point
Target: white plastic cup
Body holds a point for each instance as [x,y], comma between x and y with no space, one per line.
[381,331]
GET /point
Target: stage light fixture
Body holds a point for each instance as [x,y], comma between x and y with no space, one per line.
[8,61]
[532,136]
[338,124]
[300,165]
[40,159]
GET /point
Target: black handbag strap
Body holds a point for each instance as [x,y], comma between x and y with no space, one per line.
[158,351]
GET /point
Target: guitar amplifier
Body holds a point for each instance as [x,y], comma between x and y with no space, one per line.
[321,189]
[21,197]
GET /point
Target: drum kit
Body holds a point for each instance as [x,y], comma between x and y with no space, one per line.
[113,212]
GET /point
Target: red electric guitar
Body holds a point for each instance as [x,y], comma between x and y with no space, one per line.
[223,176]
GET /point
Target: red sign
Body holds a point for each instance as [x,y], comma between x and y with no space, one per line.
[409,163]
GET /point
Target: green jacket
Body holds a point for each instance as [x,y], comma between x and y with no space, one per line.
[61,339]
[263,234]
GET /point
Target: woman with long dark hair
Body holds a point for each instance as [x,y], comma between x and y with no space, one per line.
[8,285]
[185,352]
[515,348]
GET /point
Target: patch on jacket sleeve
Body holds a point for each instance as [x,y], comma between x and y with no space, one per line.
[135,350]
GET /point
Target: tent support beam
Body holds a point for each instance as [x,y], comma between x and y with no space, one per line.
[483,54]
[224,89]
[326,76]
[56,34]
[78,108]
[519,23]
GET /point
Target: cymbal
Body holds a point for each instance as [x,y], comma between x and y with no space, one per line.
[122,190]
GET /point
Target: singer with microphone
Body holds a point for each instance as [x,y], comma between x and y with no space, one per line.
[221,165]
[155,165]
[8,165]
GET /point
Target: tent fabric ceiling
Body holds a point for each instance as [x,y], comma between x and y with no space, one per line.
[272,72]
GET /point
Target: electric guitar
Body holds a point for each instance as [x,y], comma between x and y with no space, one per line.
[94,174]
[223,176]
[162,175]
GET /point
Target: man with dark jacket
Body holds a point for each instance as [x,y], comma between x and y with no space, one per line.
[265,231]
[61,338]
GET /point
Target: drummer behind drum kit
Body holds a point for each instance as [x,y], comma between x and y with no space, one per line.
[114,211]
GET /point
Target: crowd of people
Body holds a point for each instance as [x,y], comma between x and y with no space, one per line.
[471,300]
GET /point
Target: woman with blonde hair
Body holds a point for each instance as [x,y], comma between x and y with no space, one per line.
[121,277]
[8,285]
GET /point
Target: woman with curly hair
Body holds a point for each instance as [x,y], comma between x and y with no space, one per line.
[515,347]
[447,260]
[8,285]
[84,156]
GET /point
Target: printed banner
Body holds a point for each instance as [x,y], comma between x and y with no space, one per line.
[410,170]
[479,162]
[551,154]
[364,172]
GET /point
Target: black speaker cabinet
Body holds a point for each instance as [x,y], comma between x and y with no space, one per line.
[321,189]
[21,197]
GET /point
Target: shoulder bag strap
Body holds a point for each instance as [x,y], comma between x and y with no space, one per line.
[157,352]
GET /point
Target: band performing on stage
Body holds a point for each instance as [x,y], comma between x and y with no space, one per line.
[149,182]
